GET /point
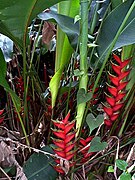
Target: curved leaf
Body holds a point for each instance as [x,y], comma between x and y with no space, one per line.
[111,26]
[93,122]
[121,164]
[3,64]
[4,83]
[38,166]
[65,23]
[96,145]
[127,36]
[83,97]
[64,49]
[15,16]
[125,176]
[110,40]
[54,85]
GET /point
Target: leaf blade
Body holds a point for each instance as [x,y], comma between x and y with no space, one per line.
[38,166]
[121,164]
[93,122]
[96,145]
[16,16]
[83,97]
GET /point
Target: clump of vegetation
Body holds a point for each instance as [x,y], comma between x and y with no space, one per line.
[67,89]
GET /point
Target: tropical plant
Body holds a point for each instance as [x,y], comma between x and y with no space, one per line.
[67,90]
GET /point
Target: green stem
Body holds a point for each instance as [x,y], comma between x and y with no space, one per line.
[28,78]
[83,60]
[24,78]
[63,8]
[94,19]
[23,128]
[69,90]
[35,43]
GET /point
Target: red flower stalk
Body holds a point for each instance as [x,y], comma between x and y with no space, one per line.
[65,142]
[1,118]
[84,147]
[94,99]
[20,86]
[116,90]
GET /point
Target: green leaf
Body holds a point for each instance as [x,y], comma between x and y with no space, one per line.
[125,176]
[65,23]
[77,72]
[5,85]
[16,16]
[92,45]
[127,36]
[110,28]
[96,145]
[10,170]
[77,18]
[115,3]
[82,96]
[3,64]
[63,47]
[38,166]
[110,169]
[93,122]
[114,33]
[121,164]
[54,85]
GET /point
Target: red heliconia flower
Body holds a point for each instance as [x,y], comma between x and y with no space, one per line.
[84,148]
[64,142]
[1,118]
[20,86]
[116,90]
[19,83]
[1,112]
[94,99]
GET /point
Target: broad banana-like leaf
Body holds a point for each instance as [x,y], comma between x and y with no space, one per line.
[64,48]
[39,166]
[126,13]
[16,16]
[65,23]
[127,36]
[65,53]
[115,3]
[111,26]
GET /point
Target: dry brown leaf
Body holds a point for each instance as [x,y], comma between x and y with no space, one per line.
[48,32]
[20,174]
[7,159]
[1,154]
[131,156]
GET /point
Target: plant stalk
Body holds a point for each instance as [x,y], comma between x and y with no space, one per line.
[83,60]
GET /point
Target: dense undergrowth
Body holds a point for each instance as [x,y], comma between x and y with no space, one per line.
[67,90]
